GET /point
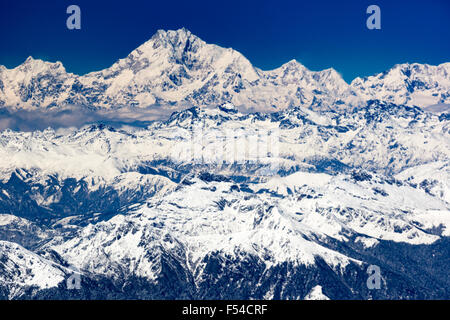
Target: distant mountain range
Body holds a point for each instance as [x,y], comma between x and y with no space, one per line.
[175,69]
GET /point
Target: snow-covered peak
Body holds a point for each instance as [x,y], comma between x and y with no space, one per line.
[172,45]
[172,67]
[34,84]
[330,75]
[416,84]
[316,294]
[176,67]
[292,66]
[36,66]
[178,39]
[166,51]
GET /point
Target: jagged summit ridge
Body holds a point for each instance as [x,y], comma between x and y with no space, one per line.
[174,68]
[410,84]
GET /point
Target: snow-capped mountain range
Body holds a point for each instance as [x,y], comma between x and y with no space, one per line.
[175,68]
[216,201]
[138,209]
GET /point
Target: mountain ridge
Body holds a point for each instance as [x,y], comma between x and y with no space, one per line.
[175,68]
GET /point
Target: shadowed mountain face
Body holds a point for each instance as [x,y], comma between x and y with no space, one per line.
[175,68]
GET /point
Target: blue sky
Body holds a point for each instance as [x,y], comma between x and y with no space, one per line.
[320,34]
